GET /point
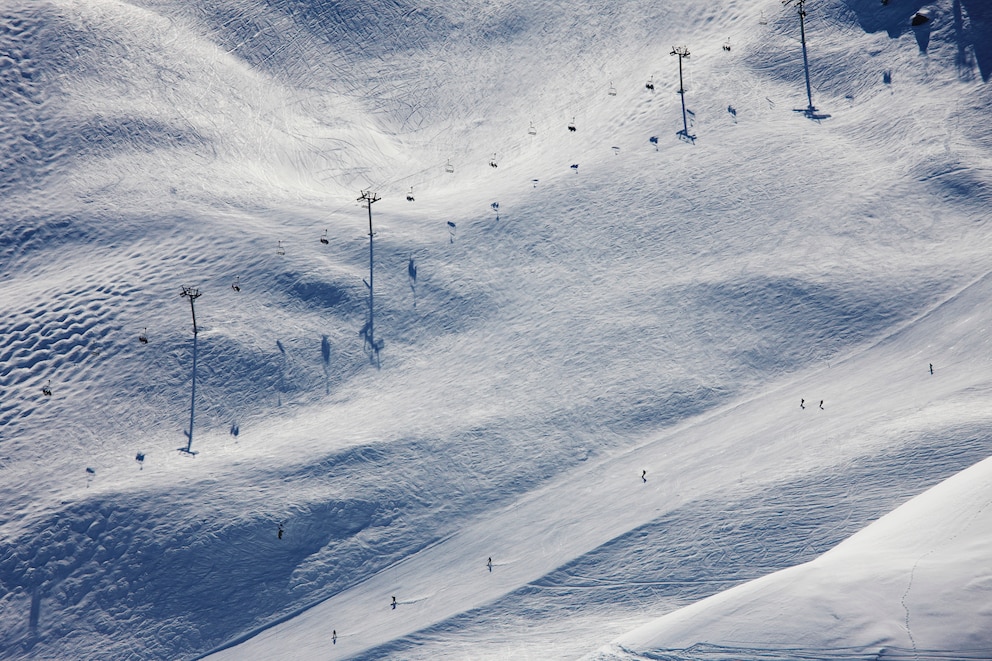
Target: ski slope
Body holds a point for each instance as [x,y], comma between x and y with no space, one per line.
[603,302]
[866,590]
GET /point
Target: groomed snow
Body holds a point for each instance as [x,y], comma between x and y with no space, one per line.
[603,302]
[915,584]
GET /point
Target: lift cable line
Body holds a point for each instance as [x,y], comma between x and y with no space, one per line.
[192,294]
[683,52]
[375,346]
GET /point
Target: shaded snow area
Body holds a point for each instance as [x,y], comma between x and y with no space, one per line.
[637,396]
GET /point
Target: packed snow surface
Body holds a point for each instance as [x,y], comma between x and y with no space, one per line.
[865,589]
[638,394]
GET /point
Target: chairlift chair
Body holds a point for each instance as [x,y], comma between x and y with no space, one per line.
[650,84]
[531,130]
[236,285]
[279,249]
[46,389]
[571,125]
[613,90]
[409,196]
[492,161]
[726,45]
[143,338]
[324,239]
[448,167]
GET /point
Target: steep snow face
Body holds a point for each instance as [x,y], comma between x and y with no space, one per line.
[551,301]
[897,589]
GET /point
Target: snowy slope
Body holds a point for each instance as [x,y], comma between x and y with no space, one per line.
[661,307]
[861,596]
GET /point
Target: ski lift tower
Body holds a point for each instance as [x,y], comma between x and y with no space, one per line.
[809,110]
[683,52]
[192,294]
[376,345]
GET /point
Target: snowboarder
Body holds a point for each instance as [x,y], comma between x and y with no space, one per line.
[644,475]
[489,563]
[821,404]
[279,533]
[802,403]
[334,637]
[394,603]
[931,368]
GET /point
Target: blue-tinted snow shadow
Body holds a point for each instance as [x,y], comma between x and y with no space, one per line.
[971,19]
[162,571]
[708,546]
[978,33]
[181,569]
[773,324]
[266,39]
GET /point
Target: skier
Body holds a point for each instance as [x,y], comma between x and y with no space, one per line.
[394,603]
[334,637]
[821,404]
[931,368]
[279,534]
[644,475]
[490,563]
[802,403]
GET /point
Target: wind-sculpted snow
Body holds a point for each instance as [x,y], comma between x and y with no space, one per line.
[154,568]
[560,310]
